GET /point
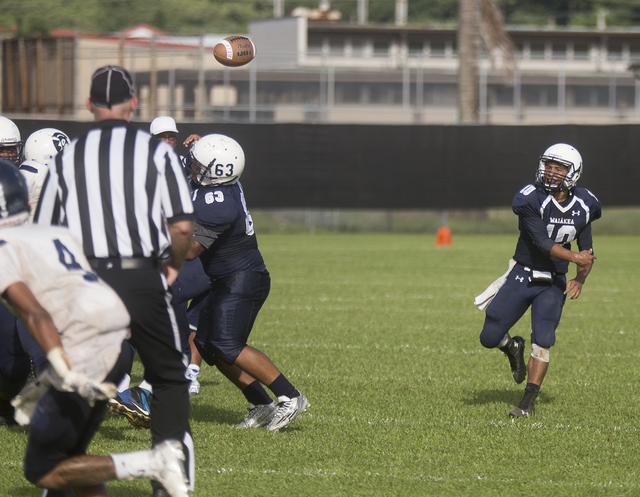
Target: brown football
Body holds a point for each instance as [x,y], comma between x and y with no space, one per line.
[234,51]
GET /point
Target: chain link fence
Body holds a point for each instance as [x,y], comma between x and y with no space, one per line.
[499,221]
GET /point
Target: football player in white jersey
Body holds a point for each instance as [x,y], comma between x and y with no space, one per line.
[41,146]
[20,353]
[80,323]
[15,363]
[11,144]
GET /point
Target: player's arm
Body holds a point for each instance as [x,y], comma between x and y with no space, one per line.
[35,316]
[585,244]
[203,238]
[537,230]
[45,333]
[180,232]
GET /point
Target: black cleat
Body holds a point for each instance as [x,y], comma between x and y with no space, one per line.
[515,353]
[6,413]
[526,407]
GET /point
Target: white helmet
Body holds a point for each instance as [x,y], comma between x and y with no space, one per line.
[10,137]
[44,144]
[562,154]
[163,124]
[216,160]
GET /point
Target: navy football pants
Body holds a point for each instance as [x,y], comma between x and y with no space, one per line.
[512,301]
[227,318]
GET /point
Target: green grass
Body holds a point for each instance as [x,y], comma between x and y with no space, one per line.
[380,332]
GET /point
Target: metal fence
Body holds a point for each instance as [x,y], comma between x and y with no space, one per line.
[615,221]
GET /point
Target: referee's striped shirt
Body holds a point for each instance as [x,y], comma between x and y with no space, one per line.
[115,188]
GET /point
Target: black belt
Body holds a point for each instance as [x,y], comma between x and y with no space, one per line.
[132,263]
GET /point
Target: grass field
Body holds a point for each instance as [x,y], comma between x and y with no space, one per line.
[380,332]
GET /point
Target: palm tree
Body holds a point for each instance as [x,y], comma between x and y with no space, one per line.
[480,23]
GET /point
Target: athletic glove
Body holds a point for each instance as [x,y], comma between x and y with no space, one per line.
[63,379]
[25,402]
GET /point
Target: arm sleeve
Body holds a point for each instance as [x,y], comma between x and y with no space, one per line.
[585,240]
[205,236]
[537,230]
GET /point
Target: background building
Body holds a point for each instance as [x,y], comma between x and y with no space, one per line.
[333,72]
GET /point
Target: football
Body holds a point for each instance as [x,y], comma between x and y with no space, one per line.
[234,51]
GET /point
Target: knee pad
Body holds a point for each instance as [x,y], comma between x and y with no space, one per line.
[540,353]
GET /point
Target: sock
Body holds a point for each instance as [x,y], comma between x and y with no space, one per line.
[256,394]
[281,387]
[194,368]
[503,343]
[132,465]
[146,385]
[533,386]
[124,384]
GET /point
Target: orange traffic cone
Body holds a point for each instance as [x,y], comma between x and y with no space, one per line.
[443,238]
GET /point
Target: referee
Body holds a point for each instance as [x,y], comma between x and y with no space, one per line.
[124,194]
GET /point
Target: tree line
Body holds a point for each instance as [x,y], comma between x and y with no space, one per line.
[31,17]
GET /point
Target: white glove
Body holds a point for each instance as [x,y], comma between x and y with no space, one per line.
[62,378]
[25,402]
[90,390]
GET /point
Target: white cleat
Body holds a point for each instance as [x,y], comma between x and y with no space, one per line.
[288,411]
[259,415]
[192,376]
[168,468]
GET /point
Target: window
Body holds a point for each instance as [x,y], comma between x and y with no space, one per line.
[558,51]
[415,48]
[380,48]
[437,48]
[588,96]
[336,47]
[348,93]
[537,50]
[614,51]
[314,45]
[539,95]
[581,51]
[440,94]
[357,47]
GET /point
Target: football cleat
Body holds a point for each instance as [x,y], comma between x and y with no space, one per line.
[526,407]
[192,376]
[168,468]
[134,405]
[515,353]
[7,414]
[287,412]
[259,415]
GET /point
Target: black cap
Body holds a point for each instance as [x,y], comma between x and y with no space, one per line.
[111,85]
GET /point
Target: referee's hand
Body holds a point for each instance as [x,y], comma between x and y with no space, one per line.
[170,273]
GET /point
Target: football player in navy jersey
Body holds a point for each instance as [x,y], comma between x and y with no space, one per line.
[552,213]
[225,241]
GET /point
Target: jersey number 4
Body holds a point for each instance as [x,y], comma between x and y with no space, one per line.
[68,260]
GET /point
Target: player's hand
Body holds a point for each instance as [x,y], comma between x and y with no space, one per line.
[573,290]
[26,401]
[190,139]
[90,390]
[585,258]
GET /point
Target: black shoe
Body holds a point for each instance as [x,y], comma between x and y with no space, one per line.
[526,407]
[515,353]
[6,413]
[7,421]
